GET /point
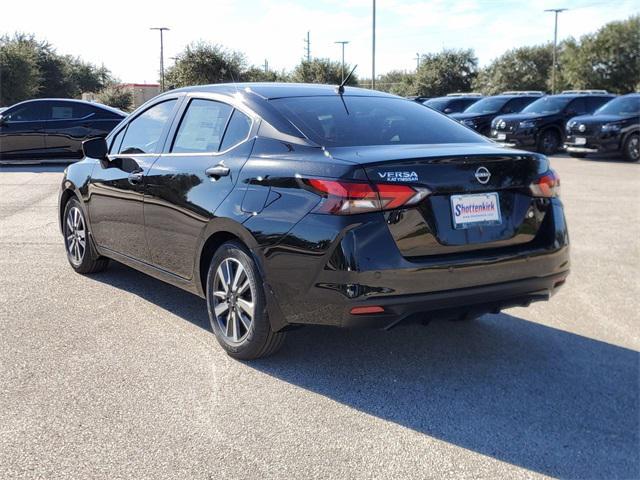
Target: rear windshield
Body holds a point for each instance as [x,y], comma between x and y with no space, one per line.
[438,104]
[349,121]
[621,106]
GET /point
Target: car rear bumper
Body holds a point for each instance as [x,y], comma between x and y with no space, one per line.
[321,282]
[458,303]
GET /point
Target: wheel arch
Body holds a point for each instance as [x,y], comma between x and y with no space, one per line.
[218,232]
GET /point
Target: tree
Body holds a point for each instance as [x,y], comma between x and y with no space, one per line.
[445,72]
[397,82]
[19,72]
[202,63]
[322,70]
[608,59]
[524,68]
[256,74]
[116,96]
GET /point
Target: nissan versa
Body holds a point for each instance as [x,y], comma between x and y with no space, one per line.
[285,205]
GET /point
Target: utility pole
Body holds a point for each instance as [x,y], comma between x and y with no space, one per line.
[556,11]
[161,30]
[266,66]
[343,43]
[373,49]
[307,47]
[417,62]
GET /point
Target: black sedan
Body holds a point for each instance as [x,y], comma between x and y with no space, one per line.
[614,127]
[287,205]
[52,129]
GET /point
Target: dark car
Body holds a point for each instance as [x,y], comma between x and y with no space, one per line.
[614,127]
[52,129]
[480,114]
[453,103]
[291,204]
[541,125]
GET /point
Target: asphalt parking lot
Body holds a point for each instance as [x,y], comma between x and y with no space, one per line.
[117,375]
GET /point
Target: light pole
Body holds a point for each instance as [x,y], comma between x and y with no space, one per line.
[556,11]
[343,43]
[373,49]
[161,29]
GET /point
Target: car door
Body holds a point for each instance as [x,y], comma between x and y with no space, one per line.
[21,132]
[116,188]
[66,126]
[187,183]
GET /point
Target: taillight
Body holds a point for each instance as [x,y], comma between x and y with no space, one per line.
[546,186]
[347,198]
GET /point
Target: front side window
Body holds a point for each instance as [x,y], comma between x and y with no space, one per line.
[117,141]
[342,121]
[25,113]
[202,127]
[144,132]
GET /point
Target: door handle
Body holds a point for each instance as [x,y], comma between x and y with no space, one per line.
[135,178]
[218,171]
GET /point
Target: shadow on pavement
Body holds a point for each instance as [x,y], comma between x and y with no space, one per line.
[599,157]
[530,395]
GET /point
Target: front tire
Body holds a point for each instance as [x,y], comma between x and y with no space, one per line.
[632,148]
[237,305]
[81,253]
[549,142]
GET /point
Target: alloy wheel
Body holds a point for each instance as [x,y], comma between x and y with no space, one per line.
[233,300]
[76,235]
[634,148]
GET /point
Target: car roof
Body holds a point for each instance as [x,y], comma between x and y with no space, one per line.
[581,95]
[458,97]
[269,91]
[73,100]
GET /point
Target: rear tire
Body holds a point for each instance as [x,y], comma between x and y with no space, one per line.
[631,149]
[81,252]
[577,155]
[548,142]
[237,305]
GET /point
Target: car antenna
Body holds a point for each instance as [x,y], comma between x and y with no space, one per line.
[340,88]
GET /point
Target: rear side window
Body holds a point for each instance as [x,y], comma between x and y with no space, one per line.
[202,127]
[67,110]
[577,106]
[237,130]
[144,132]
[348,121]
[593,103]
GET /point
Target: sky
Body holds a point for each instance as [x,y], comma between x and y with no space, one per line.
[118,35]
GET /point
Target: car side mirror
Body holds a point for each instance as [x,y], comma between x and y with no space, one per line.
[3,120]
[95,148]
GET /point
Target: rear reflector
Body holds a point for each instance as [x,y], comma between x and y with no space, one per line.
[346,198]
[366,310]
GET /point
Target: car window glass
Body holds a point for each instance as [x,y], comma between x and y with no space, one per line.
[593,103]
[117,141]
[202,127]
[350,121]
[66,110]
[237,130]
[144,131]
[577,107]
[25,113]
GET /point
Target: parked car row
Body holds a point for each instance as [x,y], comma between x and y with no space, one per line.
[581,121]
[53,129]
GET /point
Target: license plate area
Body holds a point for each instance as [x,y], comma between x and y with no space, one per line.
[475,210]
[580,140]
[501,136]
